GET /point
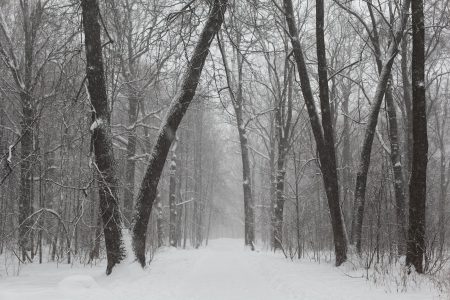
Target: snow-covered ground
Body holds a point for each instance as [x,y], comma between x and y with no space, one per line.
[223,270]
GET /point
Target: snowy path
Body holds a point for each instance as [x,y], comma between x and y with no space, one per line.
[224,270]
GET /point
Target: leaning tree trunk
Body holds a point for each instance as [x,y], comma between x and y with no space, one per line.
[177,110]
[101,135]
[399,182]
[323,136]
[364,161]
[418,184]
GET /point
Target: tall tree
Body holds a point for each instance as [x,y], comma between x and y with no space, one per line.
[283,121]
[418,184]
[25,79]
[369,134]
[101,135]
[323,133]
[177,110]
[238,101]
[395,155]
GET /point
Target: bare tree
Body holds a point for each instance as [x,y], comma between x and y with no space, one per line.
[385,75]
[323,133]
[177,110]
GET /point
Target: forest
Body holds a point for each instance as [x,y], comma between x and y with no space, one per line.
[133,131]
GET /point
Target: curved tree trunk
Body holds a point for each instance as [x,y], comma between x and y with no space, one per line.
[177,110]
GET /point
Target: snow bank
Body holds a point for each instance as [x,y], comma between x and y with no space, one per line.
[222,271]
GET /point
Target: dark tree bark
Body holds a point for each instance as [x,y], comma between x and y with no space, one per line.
[323,136]
[177,110]
[418,184]
[101,135]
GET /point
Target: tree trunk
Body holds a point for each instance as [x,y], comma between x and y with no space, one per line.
[159,221]
[364,161]
[198,178]
[101,135]
[418,184]
[95,252]
[131,153]
[399,185]
[324,139]
[249,216]
[177,110]
[399,182]
[27,155]
[237,100]
[27,132]
[408,106]
[346,163]
[173,239]
[280,199]
[283,126]
[441,126]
